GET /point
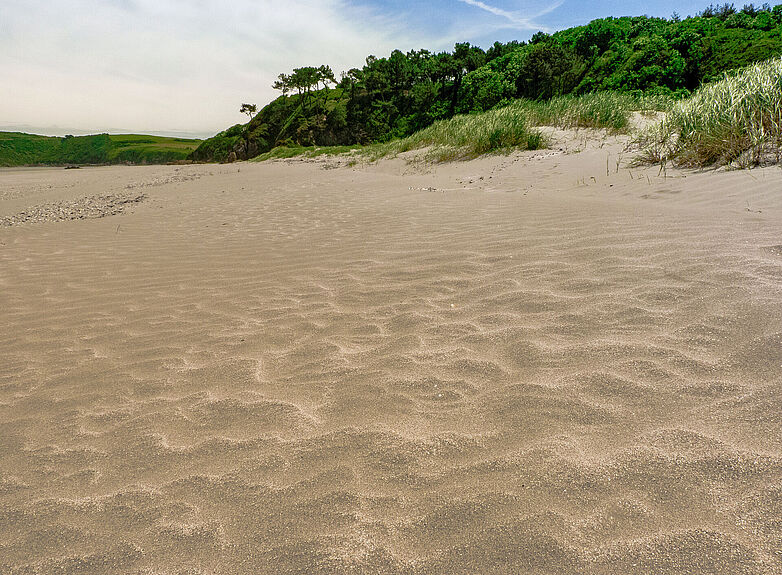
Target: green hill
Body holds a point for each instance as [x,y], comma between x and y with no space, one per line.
[18,149]
[397,96]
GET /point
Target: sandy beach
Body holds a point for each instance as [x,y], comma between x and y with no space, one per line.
[543,363]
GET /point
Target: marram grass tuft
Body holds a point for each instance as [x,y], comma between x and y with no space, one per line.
[471,135]
[734,121]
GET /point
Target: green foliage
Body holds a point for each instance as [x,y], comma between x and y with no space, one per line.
[548,69]
[135,149]
[735,120]
[735,48]
[249,109]
[305,81]
[484,88]
[234,131]
[597,37]
[17,149]
[397,96]
[28,149]
[217,149]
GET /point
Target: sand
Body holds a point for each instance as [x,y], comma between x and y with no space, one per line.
[542,363]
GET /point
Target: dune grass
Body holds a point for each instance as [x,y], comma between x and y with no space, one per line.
[734,121]
[469,136]
[597,110]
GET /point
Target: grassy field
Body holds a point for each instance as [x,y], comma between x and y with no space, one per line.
[18,149]
[139,149]
[735,121]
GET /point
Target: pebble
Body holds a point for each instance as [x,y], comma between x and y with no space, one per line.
[80,209]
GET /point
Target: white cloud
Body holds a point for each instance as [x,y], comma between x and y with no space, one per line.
[151,65]
[515,18]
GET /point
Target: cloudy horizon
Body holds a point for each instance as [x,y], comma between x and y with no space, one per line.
[177,67]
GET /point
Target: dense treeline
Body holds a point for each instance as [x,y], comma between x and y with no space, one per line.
[403,93]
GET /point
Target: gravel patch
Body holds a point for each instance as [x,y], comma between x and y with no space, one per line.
[81,209]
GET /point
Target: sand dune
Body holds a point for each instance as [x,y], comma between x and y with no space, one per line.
[539,363]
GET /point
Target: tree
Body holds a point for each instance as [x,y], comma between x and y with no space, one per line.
[482,89]
[548,69]
[466,58]
[249,109]
[283,83]
[304,81]
[539,37]
[690,45]
[326,76]
[596,38]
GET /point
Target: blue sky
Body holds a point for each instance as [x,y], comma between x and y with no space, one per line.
[483,22]
[185,66]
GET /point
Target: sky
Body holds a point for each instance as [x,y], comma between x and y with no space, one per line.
[184,67]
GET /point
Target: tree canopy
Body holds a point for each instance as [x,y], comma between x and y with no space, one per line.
[249,109]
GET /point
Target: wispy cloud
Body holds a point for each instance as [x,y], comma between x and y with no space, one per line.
[515,18]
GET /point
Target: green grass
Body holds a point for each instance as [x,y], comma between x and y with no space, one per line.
[18,149]
[734,121]
[283,152]
[471,135]
[597,110]
[139,149]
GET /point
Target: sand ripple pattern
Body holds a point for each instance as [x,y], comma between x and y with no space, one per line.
[291,370]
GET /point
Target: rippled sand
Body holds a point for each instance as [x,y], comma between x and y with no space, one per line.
[518,364]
